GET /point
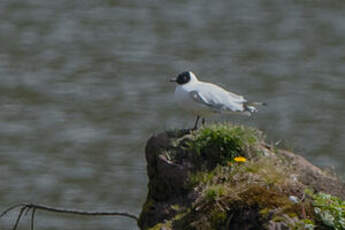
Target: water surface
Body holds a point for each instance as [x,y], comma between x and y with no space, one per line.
[85,83]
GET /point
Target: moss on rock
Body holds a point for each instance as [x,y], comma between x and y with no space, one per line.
[195,183]
[218,144]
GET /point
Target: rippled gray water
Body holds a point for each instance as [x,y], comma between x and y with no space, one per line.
[83,84]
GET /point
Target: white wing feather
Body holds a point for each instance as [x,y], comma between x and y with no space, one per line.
[217,98]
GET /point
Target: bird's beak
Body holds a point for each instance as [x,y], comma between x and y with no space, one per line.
[172,80]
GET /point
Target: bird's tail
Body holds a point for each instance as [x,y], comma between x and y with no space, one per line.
[250,106]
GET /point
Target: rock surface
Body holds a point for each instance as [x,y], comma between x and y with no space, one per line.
[193,186]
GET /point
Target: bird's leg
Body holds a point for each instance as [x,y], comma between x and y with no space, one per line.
[196,123]
[203,121]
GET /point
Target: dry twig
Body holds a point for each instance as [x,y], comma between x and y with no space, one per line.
[27,207]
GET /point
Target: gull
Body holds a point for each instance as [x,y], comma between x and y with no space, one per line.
[203,98]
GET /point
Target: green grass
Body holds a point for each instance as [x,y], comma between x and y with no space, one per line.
[213,192]
[221,143]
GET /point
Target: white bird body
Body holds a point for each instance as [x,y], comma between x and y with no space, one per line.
[203,99]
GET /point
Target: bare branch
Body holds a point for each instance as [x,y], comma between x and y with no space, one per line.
[33,218]
[19,216]
[27,211]
[9,209]
[34,207]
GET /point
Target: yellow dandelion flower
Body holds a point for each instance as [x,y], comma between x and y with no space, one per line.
[240,159]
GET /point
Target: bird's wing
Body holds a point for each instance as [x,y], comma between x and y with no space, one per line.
[199,98]
[236,97]
[218,99]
